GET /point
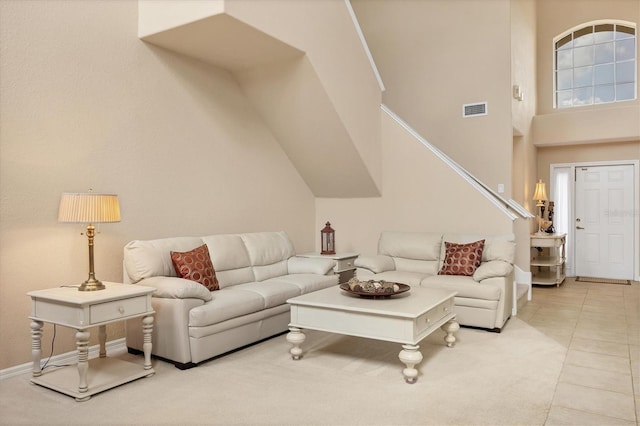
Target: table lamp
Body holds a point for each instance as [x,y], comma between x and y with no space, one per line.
[540,195]
[89,208]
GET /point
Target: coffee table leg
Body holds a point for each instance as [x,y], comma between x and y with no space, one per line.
[410,356]
[450,327]
[295,337]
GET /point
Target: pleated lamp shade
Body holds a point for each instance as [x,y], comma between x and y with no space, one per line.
[89,207]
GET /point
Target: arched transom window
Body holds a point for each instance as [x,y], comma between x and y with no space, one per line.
[595,64]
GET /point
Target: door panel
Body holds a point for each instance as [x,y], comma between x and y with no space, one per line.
[604,223]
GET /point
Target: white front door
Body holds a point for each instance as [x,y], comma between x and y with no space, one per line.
[604,221]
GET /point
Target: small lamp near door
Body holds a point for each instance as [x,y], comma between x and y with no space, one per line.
[540,195]
[89,208]
[327,239]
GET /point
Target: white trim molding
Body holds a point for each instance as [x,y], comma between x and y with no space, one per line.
[113,347]
[506,206]
[364,44]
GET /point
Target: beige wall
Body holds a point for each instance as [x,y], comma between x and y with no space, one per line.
[523,74]
[85,104]
[557,16]
[434,56]
[420,193]
[584,154]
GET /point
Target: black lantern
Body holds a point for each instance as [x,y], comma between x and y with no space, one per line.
[327,236]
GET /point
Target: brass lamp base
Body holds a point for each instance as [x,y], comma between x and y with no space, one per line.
[91,285]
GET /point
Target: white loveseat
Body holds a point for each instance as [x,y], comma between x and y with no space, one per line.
[256,272]
[484,300]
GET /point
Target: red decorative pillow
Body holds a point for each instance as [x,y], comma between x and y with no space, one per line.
[195,265]
[462,259]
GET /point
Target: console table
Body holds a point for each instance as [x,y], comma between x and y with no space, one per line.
[81,310]
[345,266]
[553,261]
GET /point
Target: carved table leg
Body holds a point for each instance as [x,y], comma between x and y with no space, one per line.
[36,348]
[450,327]
[295,337]
[410,356]
[102,339]
[147,328]
[82,342]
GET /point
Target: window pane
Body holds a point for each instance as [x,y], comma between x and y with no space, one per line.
[603,94]
[582,76]
[625,72]
[603,74]
[563,99]
[582,56]
[583,37]
[564,79]
[565,42]
[624,32]
[625,91]
[583,96]
[596,64]
[625,49]
[603,53]
[564,59]
[603,32]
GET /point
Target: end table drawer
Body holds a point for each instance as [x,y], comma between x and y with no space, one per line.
[117,309]
[344,264]
[431,317]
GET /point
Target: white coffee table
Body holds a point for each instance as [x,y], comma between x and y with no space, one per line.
[406,318]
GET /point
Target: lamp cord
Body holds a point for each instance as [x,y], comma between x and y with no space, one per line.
[53,340]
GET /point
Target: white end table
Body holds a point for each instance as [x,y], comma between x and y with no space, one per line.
[345,266]
[81,310]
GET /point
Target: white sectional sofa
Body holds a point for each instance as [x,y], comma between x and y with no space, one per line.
[484,299]
[256,272]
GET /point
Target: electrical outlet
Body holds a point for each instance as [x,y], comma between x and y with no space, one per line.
[500,188]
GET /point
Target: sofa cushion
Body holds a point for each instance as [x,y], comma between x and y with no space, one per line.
[195,265]
[273,291]
[307,265]
[425,267]
[309,282]
[494,268]
[268,252]
[404,277]
[230,258]
[376,264]
[225,304]
[152,258]
[496,247]
[176,288]
[465,286]
[410,245]
[461,259]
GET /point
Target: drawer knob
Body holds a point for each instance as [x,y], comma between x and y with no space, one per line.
[446,308]
[121,310]
[428,320]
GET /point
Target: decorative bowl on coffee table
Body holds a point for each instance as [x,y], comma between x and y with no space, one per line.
[374,289]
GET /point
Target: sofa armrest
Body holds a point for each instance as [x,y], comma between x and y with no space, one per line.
[376,264]
[177,288]
[310,265]
[491,269]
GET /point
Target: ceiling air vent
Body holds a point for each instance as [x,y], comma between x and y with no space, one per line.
[474,110]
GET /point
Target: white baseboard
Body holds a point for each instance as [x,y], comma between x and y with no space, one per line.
[113,347]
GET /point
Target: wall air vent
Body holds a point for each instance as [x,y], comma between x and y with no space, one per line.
[474,110]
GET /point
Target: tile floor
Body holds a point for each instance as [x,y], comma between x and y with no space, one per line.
[599,324]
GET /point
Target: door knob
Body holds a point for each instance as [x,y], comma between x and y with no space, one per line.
[579,227]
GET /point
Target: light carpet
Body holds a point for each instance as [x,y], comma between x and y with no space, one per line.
[486,379]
